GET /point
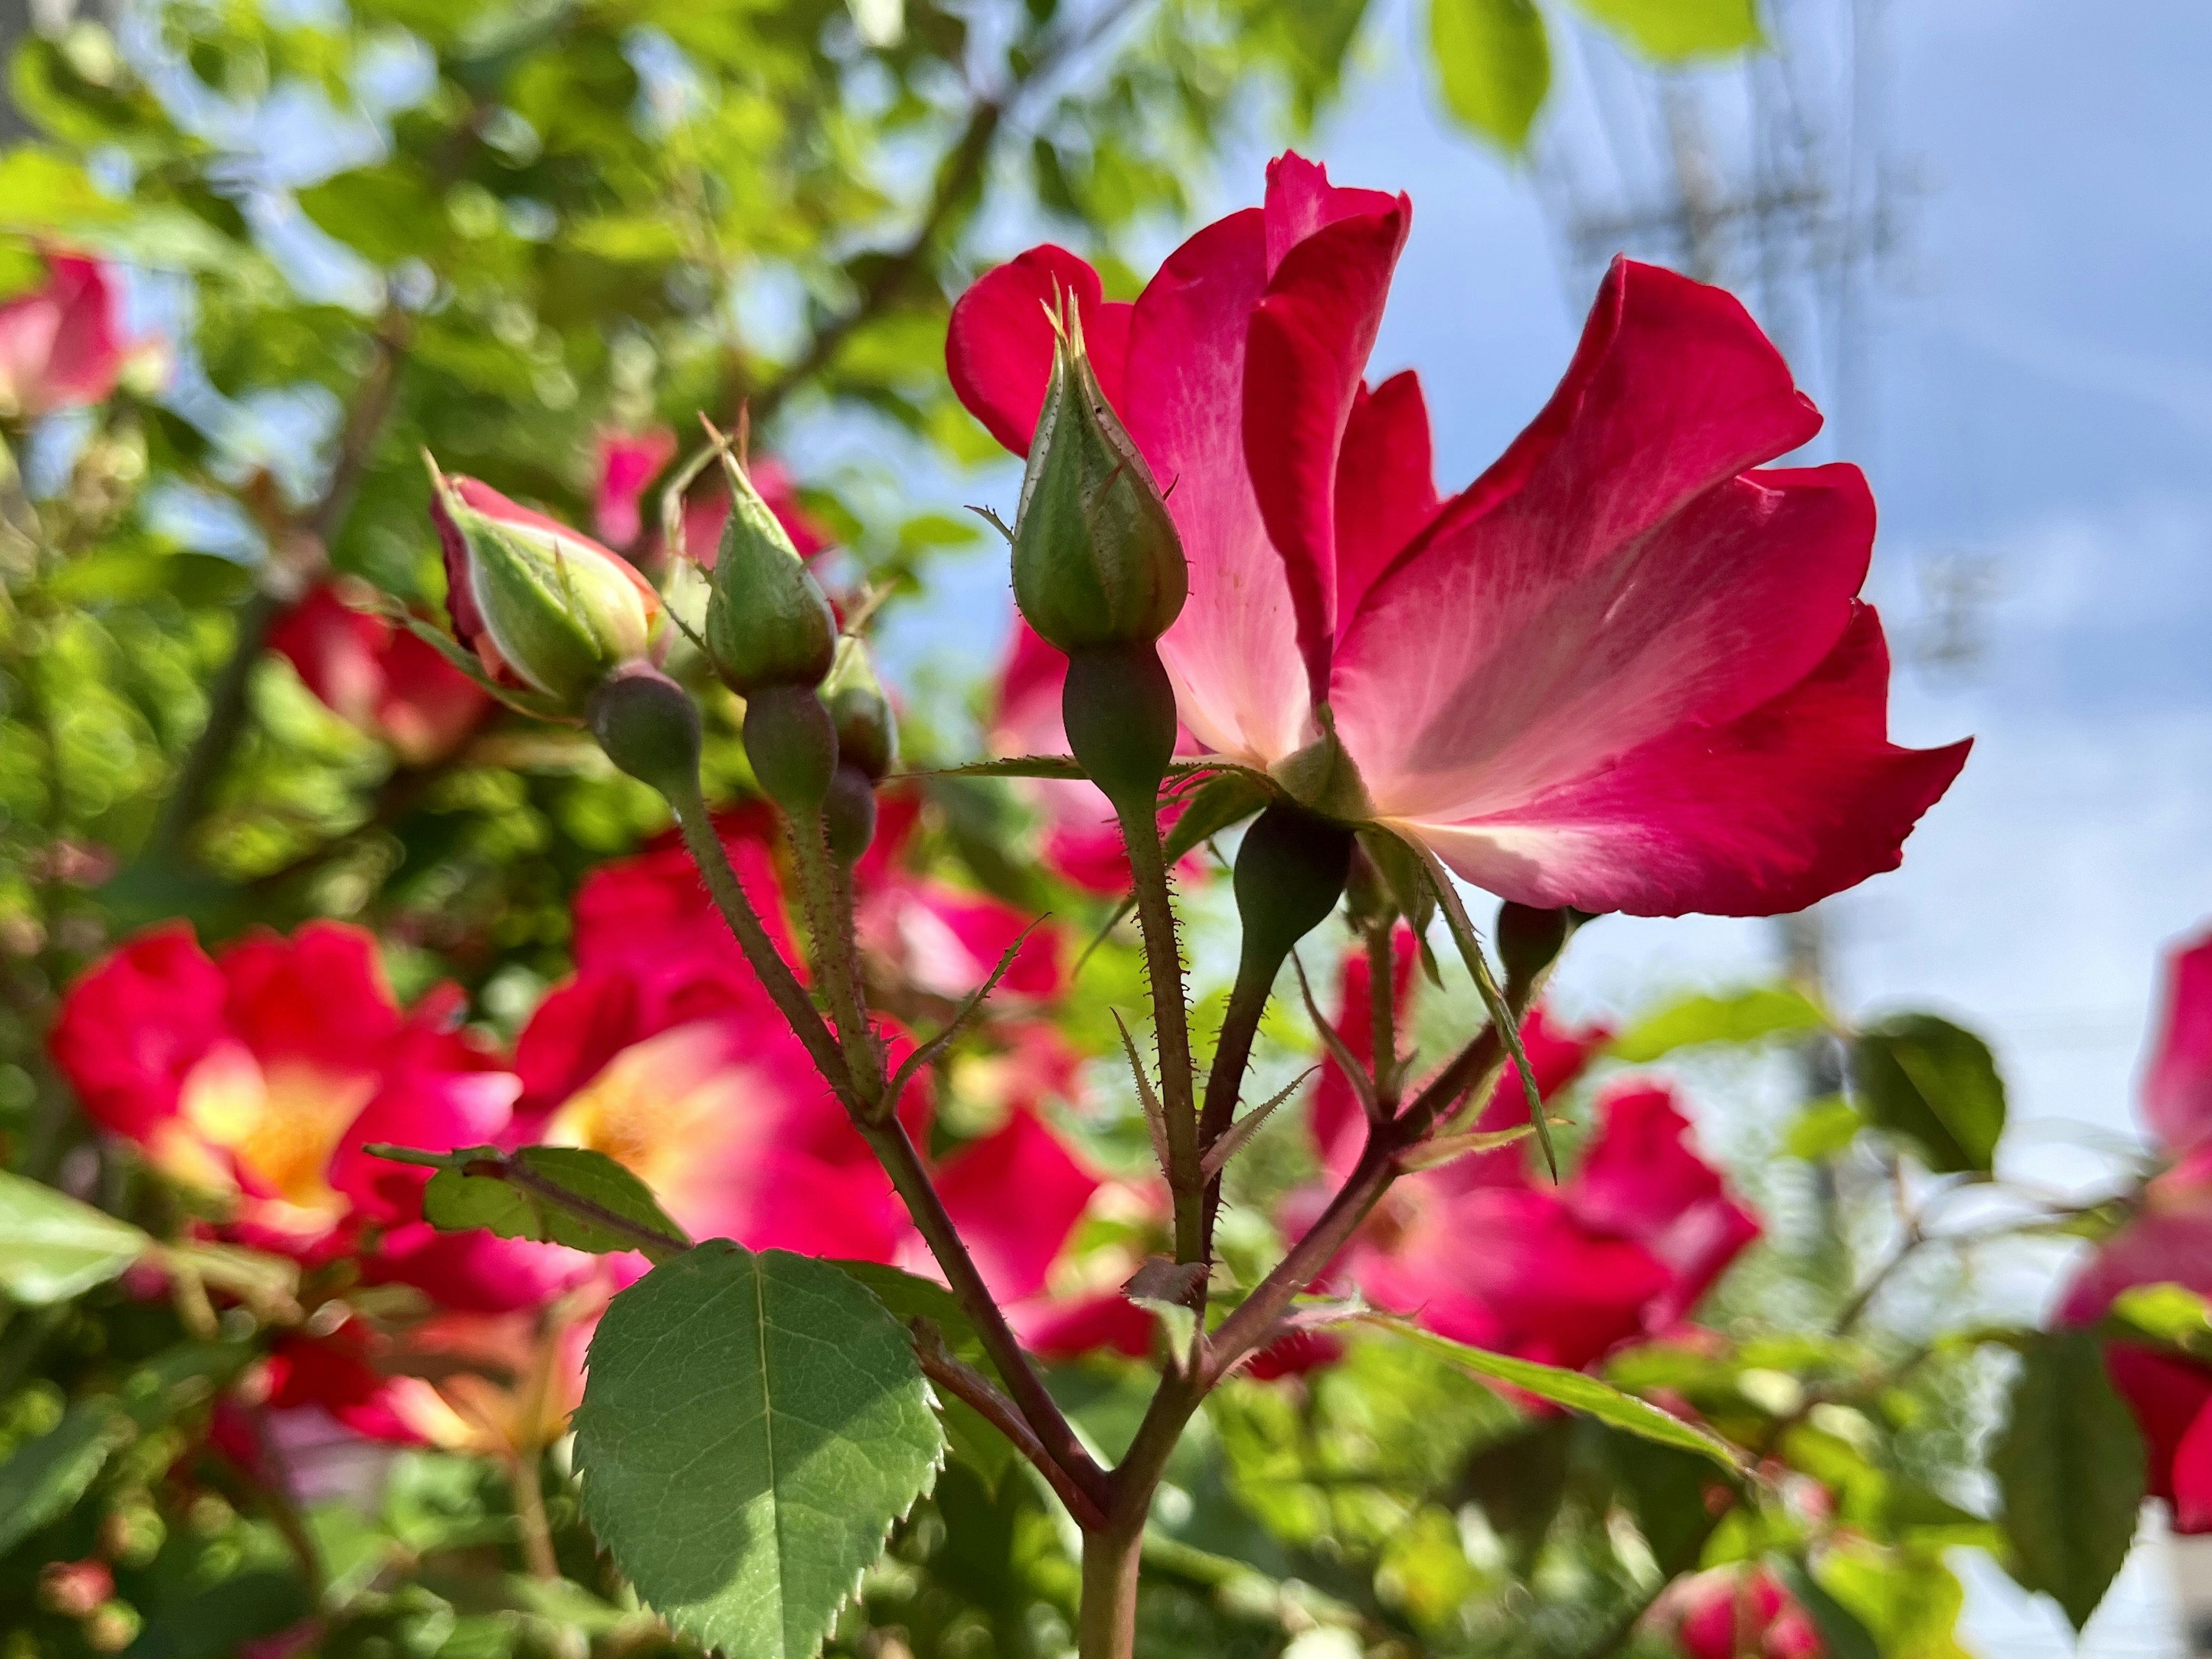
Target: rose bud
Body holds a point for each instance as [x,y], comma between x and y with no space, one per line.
[650,727]
[542,605]
[867,734]
[1097,563]
[867,743]
[1099,572]
[792,744]
[769,623]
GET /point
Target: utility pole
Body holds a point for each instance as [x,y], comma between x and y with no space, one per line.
[1765,177]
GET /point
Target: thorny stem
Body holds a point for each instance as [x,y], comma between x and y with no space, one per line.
[783,988]
[981,1394]
[530,1511]
[895,1151]
[1225,1079]
[829,920]
[889,1139]
[1140,832]
[1383,1013]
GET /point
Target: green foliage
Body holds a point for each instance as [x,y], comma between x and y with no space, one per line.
[557,1195]
[1575,1390]
[1934,1084]
[1493,66]
[2070,1466]
[752,1428]
[45,1477]
[53,1248]
[1756,1015]
[1671,31]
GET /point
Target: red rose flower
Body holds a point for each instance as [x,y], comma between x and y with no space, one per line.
[1736,1612]
[63,345]
[1478,1250]
[1620,671]
[378,678]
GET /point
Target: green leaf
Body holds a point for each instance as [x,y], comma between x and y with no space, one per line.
[1018,766]
[2167,1313]
[40,191]
[1842,1634]
[1226,799]
[53,1247]
[1929,1080]
[1672,30]
[46,1475]
[1493,66]
[968,1437]
[1753,1016]
[752,1426]
[556,1194]
[1822,1129]
[908,1296]
[1571,1389]
[2069,1465]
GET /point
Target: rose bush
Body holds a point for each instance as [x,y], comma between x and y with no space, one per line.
[677,1133]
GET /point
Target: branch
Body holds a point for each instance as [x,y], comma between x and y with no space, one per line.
[977,1391]
[894,1150]
[210,757]
[713,862]
[888,1137]
[1140,835]
[1253,1322]
[961,170]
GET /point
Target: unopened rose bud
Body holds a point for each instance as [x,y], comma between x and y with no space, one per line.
[539,604]
[1290,872]
[867,734]
[1096,559]
[768,624]
[793,746]
[1118,708]
[650,727]
[848,814]
[1529,940]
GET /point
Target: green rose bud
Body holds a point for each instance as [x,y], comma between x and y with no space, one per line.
[542,605]
[767,621]
[848,814]
[1290,871]
[1096,559]
[867,735]
[650,727]
[793,746]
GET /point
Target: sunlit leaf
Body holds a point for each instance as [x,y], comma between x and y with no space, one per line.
[752,1426]
[1752,1016]
[2070,1466]
[1672,30]
[1493,66]
[1935,1083]
[556,1194]
[1573,1389]
[53,1247]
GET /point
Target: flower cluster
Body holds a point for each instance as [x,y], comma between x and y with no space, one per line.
[2169,1240]
[254,1077]
[1480,1250]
